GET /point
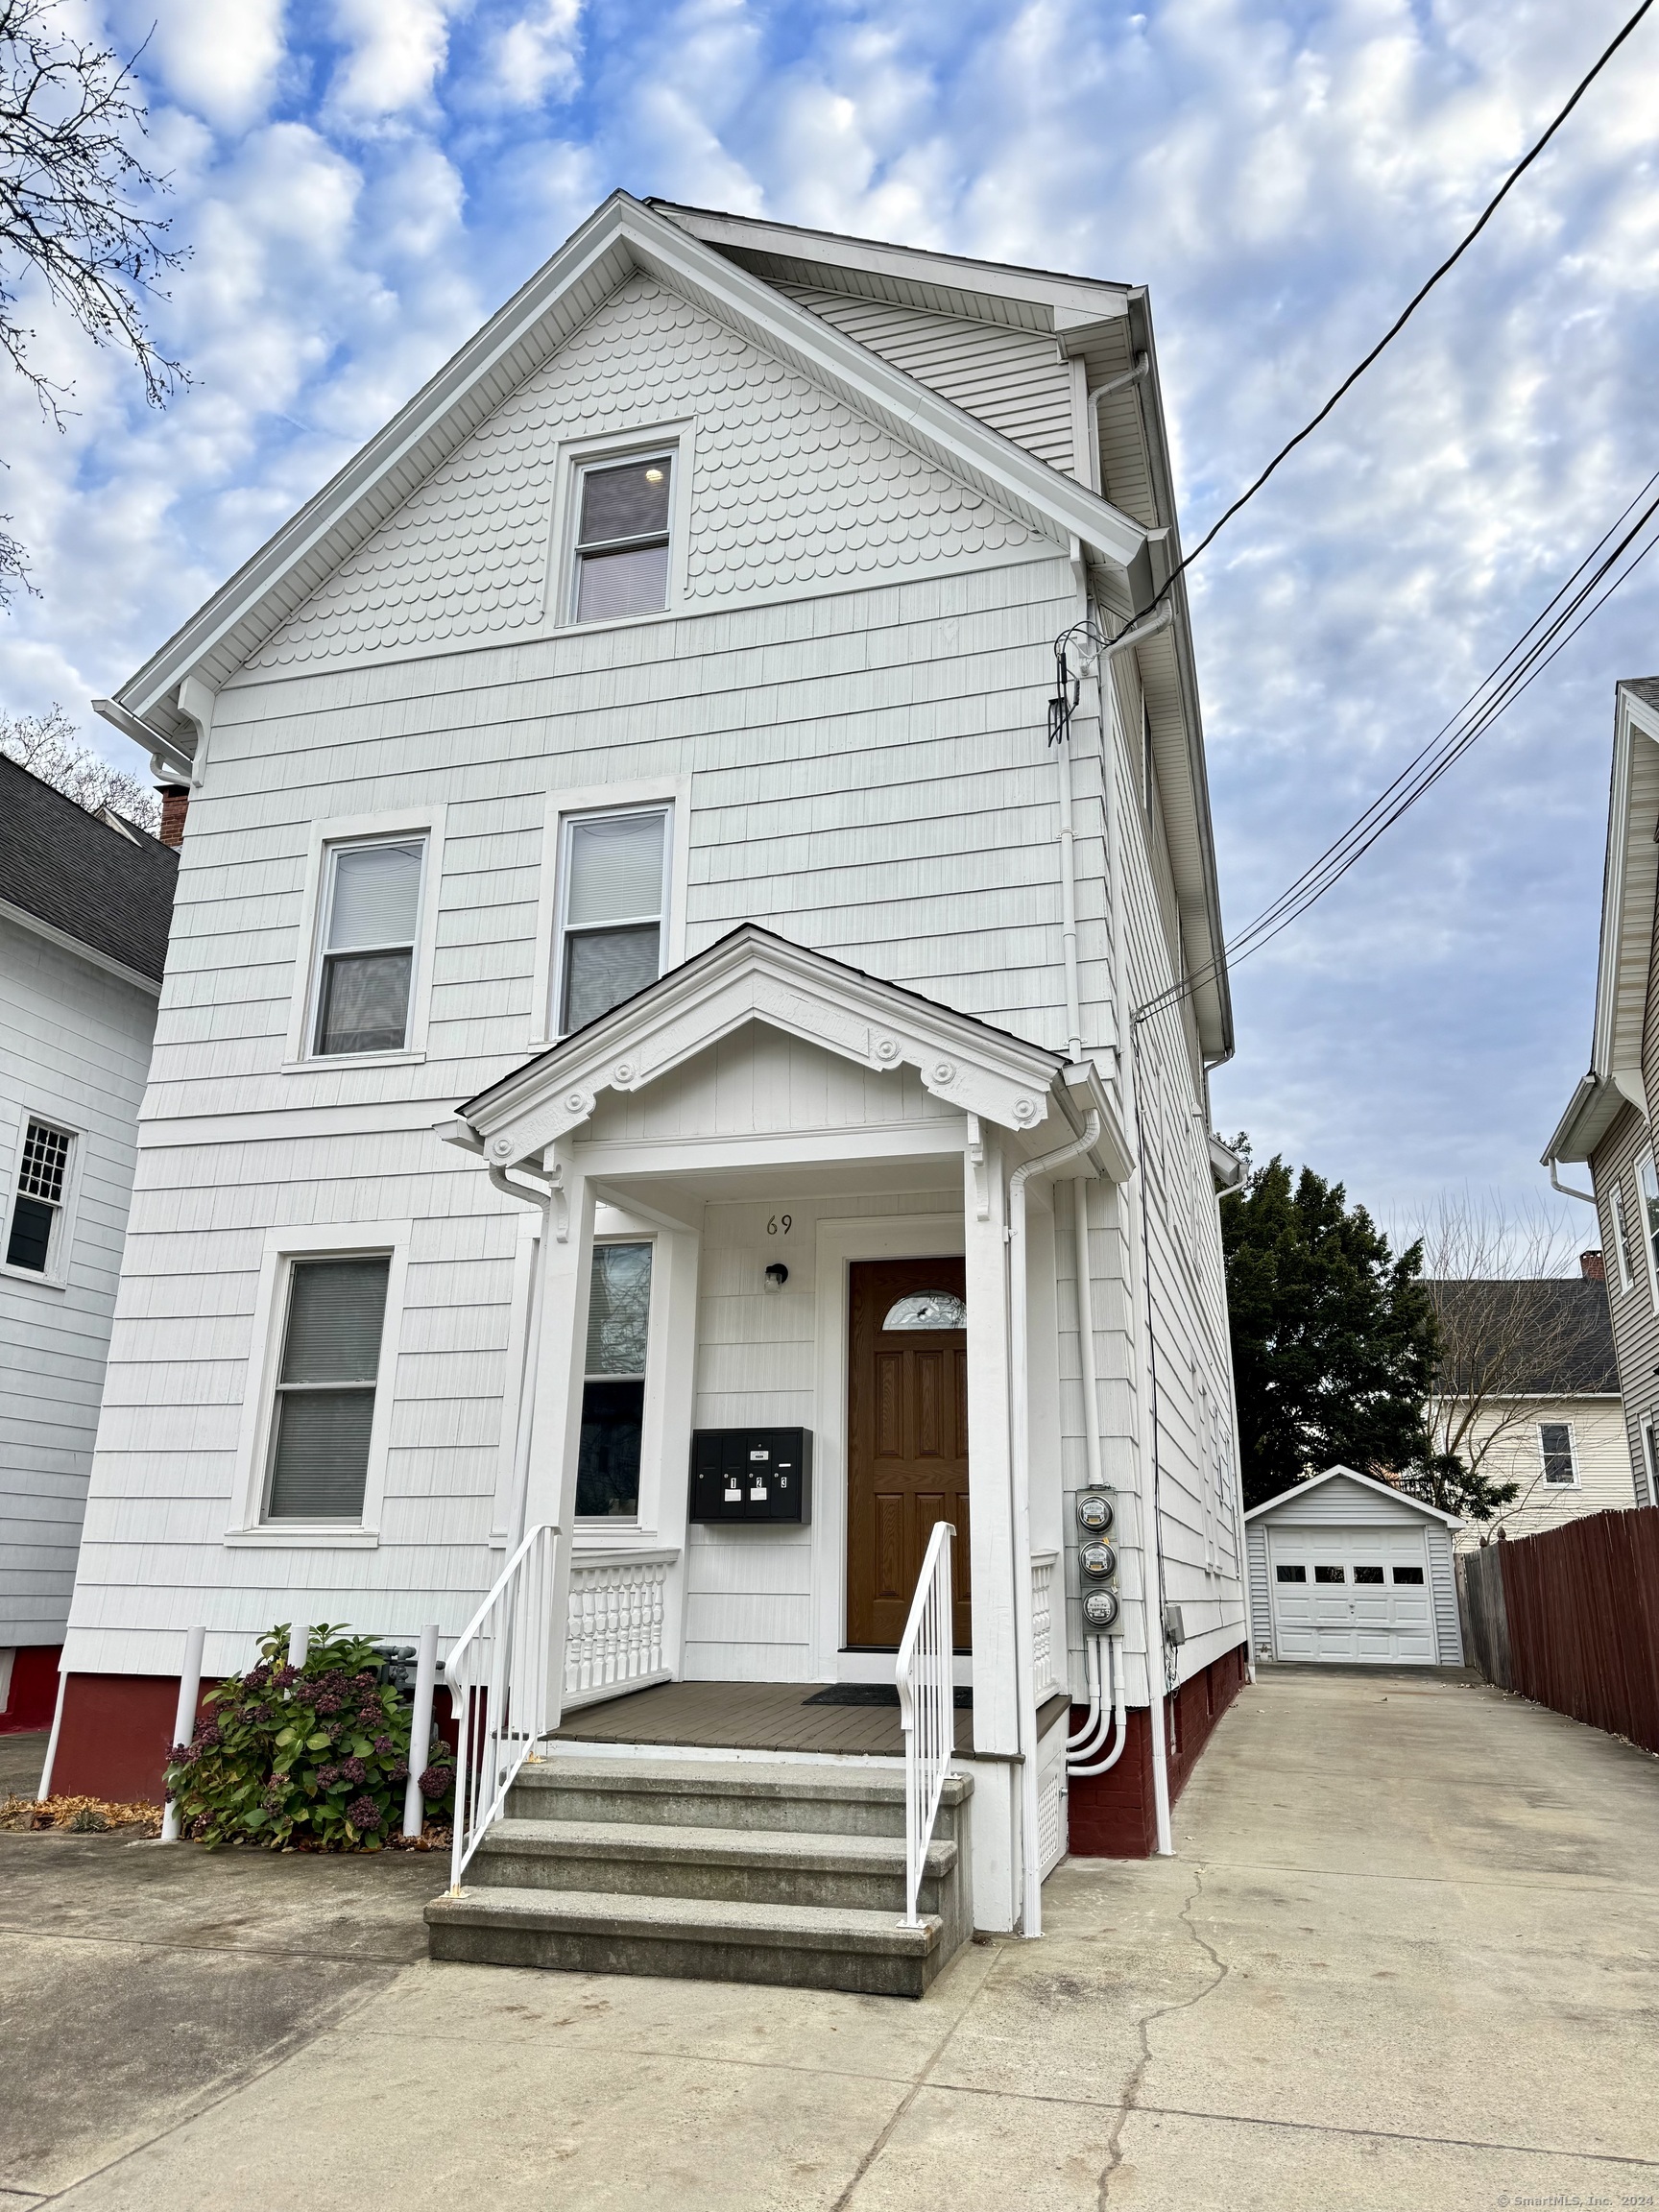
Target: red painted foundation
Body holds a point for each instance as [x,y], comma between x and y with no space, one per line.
[1111,1815]
[33,1693]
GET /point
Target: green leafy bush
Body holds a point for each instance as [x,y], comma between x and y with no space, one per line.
[315,1757]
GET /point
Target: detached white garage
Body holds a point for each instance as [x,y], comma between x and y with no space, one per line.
[1346,1569]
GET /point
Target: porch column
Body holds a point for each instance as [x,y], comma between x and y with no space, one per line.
[991,1527]
[557,1364]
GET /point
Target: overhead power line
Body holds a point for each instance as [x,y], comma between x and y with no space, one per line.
[1610,564]
[1414,302]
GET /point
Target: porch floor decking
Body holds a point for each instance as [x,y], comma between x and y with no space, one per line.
[747,1716]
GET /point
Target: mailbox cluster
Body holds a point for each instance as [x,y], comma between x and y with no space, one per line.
[1097,1560]
[752,1475]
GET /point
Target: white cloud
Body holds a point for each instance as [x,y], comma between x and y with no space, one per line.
[220,57]
[536,56]
[395,52]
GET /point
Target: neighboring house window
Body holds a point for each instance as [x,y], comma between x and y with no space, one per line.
[37,1203]
[1650,1224]
[1555,1451]
[622,538]
[371,911]
[1621,1236]
[612,910]
[614,1392]
[324,1412]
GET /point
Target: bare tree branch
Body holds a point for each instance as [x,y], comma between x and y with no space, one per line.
[49,747]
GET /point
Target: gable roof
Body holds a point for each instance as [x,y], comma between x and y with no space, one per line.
[1629,887]
[108,890]
[620,237]
[752,974]
[1553,1334]
[1365,1483]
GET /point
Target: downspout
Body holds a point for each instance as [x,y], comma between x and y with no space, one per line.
[542,1200]
[1151,1560]
[1566,1188]
[1020,1501]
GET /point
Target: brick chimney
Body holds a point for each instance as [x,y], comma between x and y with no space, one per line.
[175,805]
[1591,1264]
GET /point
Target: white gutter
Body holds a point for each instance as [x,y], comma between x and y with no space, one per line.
[1019,1482]
[168,760]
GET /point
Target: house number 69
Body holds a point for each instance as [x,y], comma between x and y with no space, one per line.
[780,1224]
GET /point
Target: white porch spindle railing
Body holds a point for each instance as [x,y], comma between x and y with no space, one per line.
[1043,1637]
[616,1622]
[498,1677]
[925,1677]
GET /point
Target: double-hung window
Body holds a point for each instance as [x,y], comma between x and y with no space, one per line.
[614,1390]
[324,1418]
[366,960]
[1556,1452]
[612,910]
[36,1227]
[1649,1182]
[1621,1236]
[622,537]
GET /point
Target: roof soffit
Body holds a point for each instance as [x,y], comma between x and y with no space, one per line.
[752,976]
[621,236]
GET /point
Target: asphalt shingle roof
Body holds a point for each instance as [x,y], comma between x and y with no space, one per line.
[1553,1334]
[68,869]
[1646,688]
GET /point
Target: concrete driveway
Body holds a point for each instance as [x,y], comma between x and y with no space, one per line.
[1406,1959]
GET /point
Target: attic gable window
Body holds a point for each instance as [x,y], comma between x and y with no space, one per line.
[622,538]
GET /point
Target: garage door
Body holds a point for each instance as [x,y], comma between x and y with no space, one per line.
[1352,1594]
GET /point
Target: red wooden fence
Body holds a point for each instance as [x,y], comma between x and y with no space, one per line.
[1581,1611]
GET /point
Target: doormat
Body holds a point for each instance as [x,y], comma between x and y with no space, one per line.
[875,1694]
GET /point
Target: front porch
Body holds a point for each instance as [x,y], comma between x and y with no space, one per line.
[810,1719]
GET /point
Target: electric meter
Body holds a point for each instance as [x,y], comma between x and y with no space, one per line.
[1097,1562]
[1094,1511]
[1100,1608]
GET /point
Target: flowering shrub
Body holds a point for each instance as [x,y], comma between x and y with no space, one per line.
[316,1756]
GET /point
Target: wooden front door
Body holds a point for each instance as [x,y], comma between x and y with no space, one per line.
[907,1440]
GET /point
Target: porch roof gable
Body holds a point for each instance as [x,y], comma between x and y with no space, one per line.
[754,976]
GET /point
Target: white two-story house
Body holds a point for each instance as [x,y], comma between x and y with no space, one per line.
[659,1009]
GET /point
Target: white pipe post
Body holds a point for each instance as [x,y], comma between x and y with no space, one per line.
[185,1717]
[420,1730]
[299,1644]
[45,1789]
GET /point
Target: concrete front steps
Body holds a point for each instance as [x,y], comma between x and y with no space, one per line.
[715,1870]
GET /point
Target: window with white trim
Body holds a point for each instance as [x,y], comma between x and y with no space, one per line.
[324,1417]
[614,1385]
[1649,1463]
[623,510]
[1557,1455]
[1648,1178]
[613,910]
[371,918]
[1621,1236]
[34,1235]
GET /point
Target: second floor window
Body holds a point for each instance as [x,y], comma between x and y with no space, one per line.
[1555,1451]
[1620,1237]
[616,876]
[622,538]
[38,1205]
[1650,1224]
[370,913]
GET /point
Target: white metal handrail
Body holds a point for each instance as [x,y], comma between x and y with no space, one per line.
[925,1677]
[498,1675]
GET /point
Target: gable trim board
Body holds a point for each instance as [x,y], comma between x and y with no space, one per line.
[1345,1505]
[621,236]
[1629,890]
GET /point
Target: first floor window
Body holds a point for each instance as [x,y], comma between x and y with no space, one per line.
[1555,1451]
[325,1411]
[370,912]
[39,1203]
[615,888]
[614,1392]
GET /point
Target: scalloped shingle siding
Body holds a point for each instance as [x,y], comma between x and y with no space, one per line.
[790,487]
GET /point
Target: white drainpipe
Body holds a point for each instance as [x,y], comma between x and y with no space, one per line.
[1020,1479]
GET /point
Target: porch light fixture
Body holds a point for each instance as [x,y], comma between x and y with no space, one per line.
[776,1275]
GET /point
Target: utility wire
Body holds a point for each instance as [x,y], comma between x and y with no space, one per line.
[1589,588]
[1413,304]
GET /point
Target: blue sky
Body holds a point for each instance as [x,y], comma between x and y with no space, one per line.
[360,181]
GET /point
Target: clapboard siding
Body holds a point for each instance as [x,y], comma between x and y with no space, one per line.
[1443,1585]
[1344,1504]
[1616,1165]
[1514,1453]
[1015,380]
[1261,1594]
[73,1042]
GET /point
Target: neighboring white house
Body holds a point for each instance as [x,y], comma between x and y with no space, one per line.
[85,902]
[624,800]
[1348,1571]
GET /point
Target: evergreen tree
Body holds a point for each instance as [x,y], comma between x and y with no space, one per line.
[1334,1337]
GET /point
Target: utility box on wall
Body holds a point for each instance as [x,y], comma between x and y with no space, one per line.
[752,1475]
